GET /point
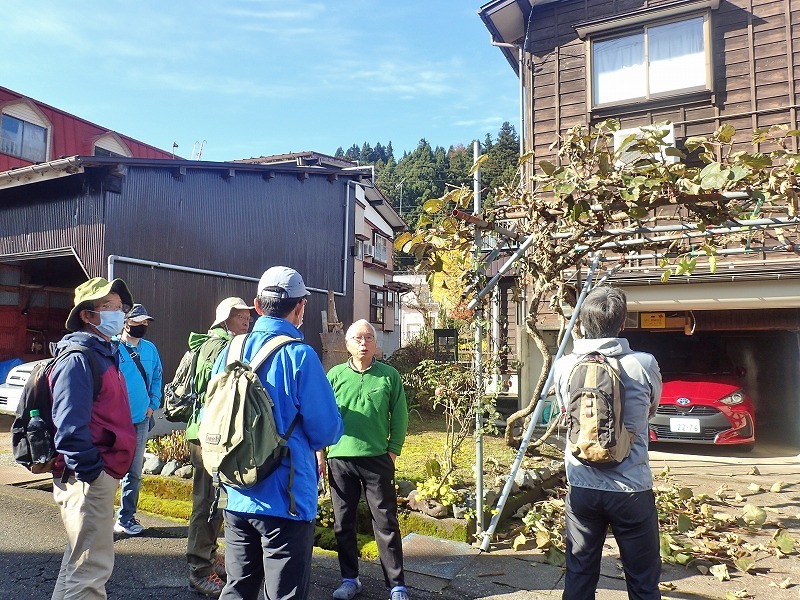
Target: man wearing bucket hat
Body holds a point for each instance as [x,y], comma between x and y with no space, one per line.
[206,568]
[141,365]
[269,539]
[94,437]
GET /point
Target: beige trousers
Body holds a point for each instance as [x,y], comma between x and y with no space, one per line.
[87,510]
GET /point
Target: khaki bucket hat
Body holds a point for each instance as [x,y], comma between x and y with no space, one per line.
[225,307]
[92,290]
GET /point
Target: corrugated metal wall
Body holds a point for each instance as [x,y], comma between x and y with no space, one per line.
[54,214]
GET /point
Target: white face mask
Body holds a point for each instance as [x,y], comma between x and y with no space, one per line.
[111,322]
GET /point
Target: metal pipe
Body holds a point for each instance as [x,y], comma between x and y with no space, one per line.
[487,538]
[724,252]
[725,227]
[479,510]
[506,266]
[114,258]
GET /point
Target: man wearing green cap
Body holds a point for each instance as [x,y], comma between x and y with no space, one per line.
[94,438]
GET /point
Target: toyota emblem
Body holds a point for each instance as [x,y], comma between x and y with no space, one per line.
[684,401]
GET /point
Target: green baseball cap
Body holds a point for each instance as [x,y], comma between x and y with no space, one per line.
[92,290]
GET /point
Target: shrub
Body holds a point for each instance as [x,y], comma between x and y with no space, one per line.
[405,360]
[170,447]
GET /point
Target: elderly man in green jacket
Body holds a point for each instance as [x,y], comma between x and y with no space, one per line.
[373,406]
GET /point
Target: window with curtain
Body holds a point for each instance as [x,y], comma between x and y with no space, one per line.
[658,59]
[22,139]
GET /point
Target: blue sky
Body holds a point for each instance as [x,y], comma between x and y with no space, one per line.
[255,77]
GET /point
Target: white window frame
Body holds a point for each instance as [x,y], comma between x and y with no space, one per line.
[19,152]
[381,248]
[638,23]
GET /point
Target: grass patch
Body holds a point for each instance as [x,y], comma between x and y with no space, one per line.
[425,440]
[165,497]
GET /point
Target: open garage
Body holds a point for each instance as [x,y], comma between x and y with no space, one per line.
[748,329]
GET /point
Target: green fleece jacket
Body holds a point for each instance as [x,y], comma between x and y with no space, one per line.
[209,345]
[373,408]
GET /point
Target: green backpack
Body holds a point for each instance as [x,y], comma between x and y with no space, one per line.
[240,441]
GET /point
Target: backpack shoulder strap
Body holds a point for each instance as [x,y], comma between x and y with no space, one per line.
[236,349]
[269,349]
[97,376]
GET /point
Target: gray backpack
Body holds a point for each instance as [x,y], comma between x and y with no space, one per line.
[596,412]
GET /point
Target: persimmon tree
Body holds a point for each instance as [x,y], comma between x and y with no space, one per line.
[591,198]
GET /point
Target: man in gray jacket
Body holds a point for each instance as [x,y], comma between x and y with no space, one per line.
[621,495]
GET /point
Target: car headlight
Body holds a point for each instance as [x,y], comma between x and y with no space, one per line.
[736,397]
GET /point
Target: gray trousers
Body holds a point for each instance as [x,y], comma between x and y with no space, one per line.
[375,475]
[201,547]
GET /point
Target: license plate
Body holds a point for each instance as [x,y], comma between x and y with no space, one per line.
[681,425]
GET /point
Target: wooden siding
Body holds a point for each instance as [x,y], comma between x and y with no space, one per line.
[756,72]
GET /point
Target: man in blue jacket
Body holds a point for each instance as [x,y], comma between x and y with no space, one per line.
[94,436]
[141,365]
[266,543]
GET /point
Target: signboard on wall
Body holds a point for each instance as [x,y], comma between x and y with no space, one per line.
[653,320]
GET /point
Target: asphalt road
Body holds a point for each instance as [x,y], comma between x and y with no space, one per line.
[148,566]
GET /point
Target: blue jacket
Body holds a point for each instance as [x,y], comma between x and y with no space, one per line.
[91,437]
[141,395]
[296,382]
[642,380]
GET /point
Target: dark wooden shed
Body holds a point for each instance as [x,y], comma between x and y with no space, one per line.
[183,235]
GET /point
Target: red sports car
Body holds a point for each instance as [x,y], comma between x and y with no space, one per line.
[704,409]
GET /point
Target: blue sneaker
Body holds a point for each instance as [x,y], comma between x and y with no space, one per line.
[399,595]
[347,590]
[132,527]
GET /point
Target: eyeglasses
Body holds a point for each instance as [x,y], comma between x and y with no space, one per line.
[363,338]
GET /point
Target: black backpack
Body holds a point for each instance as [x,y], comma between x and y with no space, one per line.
[180,397]
[36,395]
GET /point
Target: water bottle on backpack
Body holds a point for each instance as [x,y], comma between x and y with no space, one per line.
[39,441]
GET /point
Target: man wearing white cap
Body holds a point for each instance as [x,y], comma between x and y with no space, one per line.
[269,533]
[141,366]
[206,567]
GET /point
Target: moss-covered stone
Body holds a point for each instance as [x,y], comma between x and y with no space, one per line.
[448,528]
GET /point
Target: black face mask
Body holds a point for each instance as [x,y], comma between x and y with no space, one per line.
[137,331]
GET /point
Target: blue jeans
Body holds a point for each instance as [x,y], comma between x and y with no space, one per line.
[634,523]
[132,481]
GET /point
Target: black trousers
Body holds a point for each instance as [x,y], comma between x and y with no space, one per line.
[634,523]
[267,551]
[375,476]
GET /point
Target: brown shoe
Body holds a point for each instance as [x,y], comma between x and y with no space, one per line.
[210,585]
[219,567]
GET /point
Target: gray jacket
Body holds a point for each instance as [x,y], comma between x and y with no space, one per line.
[642,380]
